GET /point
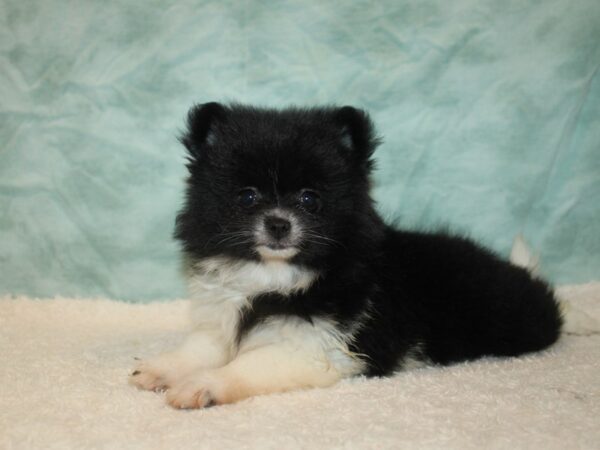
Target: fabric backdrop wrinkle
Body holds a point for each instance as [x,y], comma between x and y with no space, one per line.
[489,113]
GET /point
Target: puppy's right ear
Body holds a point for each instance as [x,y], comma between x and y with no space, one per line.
[201,121]
[357,134]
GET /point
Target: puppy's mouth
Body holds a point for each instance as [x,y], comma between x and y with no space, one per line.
[276,252]
[277,235]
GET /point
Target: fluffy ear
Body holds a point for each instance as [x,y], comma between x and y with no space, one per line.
[201,120]
[357,133]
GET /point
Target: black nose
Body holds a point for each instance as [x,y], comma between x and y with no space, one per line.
[277,227]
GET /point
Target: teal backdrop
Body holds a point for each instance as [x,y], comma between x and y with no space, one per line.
[489,110]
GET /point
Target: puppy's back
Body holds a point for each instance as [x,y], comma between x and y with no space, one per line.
[467,301]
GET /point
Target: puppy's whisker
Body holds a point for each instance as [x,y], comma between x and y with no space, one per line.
[230,238]
[235,240]
[320,239]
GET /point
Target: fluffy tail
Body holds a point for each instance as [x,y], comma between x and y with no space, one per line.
[575,320]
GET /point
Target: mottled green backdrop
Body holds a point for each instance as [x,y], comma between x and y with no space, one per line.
[490,111]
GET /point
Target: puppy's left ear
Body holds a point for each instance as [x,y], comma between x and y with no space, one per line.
[357,133]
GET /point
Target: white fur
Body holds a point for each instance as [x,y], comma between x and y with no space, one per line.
[249,278]
[415,358]
[360,321]
[268,253]
[522,256]
[282,353]
[322,340]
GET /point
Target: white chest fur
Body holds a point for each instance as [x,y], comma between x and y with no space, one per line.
[251,278]
[221,287]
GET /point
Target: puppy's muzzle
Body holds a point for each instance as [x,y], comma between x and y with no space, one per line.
[277,235]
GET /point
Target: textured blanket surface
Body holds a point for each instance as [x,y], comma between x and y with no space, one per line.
[65,364]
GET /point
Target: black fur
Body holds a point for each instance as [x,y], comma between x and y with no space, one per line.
[436,296]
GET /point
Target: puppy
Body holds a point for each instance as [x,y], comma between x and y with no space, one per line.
[296,282]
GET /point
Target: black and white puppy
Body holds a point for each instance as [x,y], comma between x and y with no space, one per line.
[295,280]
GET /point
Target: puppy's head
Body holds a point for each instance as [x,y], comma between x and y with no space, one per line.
[268,184]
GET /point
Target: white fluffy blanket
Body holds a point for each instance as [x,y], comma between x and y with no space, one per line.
[63,384]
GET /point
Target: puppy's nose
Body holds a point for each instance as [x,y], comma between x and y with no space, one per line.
[277,227]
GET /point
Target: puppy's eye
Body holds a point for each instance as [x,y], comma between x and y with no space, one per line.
[247,197]
[309,200]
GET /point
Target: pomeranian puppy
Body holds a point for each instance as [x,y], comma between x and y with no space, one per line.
[296,282]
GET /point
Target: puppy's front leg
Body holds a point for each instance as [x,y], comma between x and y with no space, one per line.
[214,315]
[279,357]
[200,349]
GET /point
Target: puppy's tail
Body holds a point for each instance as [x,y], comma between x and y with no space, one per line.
[520,255]
[575,320]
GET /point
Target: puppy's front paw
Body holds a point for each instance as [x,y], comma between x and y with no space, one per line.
[194,392]
[160,372]
[149,377]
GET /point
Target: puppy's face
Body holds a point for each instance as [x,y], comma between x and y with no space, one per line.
[274,185]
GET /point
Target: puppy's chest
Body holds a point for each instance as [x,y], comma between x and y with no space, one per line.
[234,296]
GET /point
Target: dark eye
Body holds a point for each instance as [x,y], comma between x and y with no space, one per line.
[247,197]
[309,200]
